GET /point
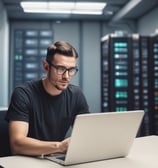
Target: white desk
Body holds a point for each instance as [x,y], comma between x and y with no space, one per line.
[144,154]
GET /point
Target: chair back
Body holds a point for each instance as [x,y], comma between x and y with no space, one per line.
[4,135]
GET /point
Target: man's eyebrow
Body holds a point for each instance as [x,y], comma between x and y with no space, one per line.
[66,67]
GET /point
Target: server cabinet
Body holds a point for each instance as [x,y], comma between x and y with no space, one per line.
[145,85]
[125,83]
[153,74]
[116,74]
[29,51]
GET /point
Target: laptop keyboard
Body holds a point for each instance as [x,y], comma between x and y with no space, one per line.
[62,157]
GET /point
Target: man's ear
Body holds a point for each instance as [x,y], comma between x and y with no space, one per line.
[45,66]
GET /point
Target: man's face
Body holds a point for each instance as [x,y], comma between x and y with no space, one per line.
[58,80]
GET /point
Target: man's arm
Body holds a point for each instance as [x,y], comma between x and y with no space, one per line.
[21,144]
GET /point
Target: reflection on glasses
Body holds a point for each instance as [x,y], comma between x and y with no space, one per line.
[61,69]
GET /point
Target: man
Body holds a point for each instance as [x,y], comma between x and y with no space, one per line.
[41,112]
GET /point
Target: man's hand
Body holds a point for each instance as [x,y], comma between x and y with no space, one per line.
[63,145]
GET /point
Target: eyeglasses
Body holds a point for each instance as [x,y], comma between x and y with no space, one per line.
[61,69]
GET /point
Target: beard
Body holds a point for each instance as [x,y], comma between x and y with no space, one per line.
[61,84]
[61,87]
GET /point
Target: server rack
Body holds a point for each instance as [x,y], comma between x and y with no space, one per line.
[154,83]
[125,76]
[116,80]
[29,51]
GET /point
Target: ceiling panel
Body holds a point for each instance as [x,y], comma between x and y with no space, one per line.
[114,11]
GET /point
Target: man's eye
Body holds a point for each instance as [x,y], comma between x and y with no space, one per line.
[61,68]
[72,69]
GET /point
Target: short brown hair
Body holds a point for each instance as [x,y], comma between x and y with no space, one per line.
[60,47]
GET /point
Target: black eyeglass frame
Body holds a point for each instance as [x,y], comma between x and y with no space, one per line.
[63,69]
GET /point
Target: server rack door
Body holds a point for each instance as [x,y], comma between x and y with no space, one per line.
[116,74]
[153,77]
[120,68]
[29,51]
[105,72]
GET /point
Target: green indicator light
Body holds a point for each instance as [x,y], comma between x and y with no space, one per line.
[122,56]
[121,83]
[121,94]
[16,57]
[120,44]
[116,49]
[118,109]
[121,73]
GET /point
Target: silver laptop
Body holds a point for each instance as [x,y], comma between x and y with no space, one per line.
[100,136]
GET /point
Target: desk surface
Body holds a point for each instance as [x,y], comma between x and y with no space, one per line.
[143,154]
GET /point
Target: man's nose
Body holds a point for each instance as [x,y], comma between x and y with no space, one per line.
[66,74]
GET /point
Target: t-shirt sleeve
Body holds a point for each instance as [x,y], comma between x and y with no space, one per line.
[19,106]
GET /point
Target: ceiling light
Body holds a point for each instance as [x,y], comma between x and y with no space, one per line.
[64,7]
[61,5]
[87,12]
[90,5]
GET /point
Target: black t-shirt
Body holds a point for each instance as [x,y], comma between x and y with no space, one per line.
[49,117]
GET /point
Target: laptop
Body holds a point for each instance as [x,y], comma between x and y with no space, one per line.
[100,136]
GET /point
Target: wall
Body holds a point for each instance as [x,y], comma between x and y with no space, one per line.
[149,23]
[4,33]
[91,64]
